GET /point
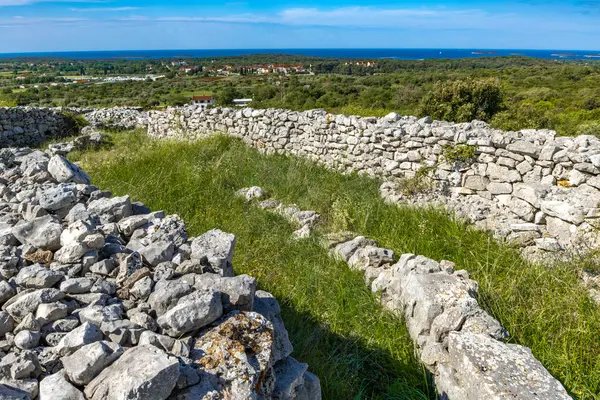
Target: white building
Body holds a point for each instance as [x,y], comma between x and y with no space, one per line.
[202,101]
[242,102]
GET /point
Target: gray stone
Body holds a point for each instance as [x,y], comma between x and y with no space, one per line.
[123,332]
[70,254]
[42,233]
[97,314]
[562,210]
[7,323]
[481,367]
[11,393]
[502,174]
[27,339]
[166,295]
[266,305]
[27,302]
[63,170]
[50,312]
[75,233]
[370,256]
[475,182]
[57,387]
[76,285]
[345,250]
[77,338]
[58,198]
[531,194]
[158,252]
[192,312]
[217,246]
[141,373]
[237,293]
[289,378]
[37,277]
[548,244]
[524,148]
[6,291]
[86,363]
[111,209]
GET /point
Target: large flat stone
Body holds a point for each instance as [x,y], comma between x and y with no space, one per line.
[141,373]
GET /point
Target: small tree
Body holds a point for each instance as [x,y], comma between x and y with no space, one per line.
[225,97]
[463,100]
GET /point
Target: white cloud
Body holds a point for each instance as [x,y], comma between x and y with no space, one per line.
[356,17]
[19,21]
[432,18]
[101,9]
[5,3]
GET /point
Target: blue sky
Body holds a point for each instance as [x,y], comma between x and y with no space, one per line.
[66,25]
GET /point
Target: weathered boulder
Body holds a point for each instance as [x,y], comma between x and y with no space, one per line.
[86,363]
[77,338]
[481,367]
[43,232]
[58,387]
[217,246]
[63,170]
[141,373]
[192,312]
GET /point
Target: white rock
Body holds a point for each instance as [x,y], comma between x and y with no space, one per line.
[63,170]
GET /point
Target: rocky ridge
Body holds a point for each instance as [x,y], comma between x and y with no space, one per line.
[462,346]
[101,298]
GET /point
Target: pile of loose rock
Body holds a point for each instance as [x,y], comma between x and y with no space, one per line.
[103,299]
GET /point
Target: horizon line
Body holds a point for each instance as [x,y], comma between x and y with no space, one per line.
[299,48]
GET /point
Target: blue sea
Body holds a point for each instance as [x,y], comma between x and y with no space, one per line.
[394,54]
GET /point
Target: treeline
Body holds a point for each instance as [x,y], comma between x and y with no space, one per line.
[510,92]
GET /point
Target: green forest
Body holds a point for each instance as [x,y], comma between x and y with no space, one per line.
[508,92]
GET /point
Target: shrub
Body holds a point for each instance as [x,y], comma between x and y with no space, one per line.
[419,184]
[525,115]
[74,122]
[463,100]
[459,153]
[589,128]
[7,103]
[341,220]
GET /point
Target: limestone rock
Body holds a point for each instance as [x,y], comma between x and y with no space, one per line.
[86,363]
[57,387]
[141,373]
[483,367]
[192,312]
[43,232]
[217,246]
[63,170]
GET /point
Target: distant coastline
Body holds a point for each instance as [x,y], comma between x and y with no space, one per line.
[394,54]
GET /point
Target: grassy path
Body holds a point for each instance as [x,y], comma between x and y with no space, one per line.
[336,326]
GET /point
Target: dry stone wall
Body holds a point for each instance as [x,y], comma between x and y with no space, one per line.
[462,346]
[530,187]
[31,126]
[102,299]
[28,126]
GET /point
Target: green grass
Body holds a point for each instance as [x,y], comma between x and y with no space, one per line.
[357,349]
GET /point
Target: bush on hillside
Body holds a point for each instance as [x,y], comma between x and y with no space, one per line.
[589,128]
[463,100]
